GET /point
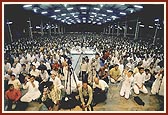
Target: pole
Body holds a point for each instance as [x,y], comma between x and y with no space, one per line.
[136,30]
[10,33]
[156,30]
[49,29]
[30,28]
[109,29]
[125,30]
[42,32]
[118,30]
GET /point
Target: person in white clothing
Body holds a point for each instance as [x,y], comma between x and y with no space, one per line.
[158,84]
[56,81]
[33,92]
[127,84]
[100,88]
[16,83]
[139,80]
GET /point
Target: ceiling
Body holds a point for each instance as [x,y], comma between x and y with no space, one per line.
[83,13]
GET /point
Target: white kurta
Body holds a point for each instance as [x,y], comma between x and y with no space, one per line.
[158,83]
[139,79]
[126,86]
[33,93]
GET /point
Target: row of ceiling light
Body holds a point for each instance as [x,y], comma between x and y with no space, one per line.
[94,17]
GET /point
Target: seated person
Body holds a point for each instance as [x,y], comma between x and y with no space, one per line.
[148,82]
[33,92]
[12,96]
[86,96]
[15,82]
[126,85]
[139,80]
[100,89]
[158,84]
[51,96]
[115,74]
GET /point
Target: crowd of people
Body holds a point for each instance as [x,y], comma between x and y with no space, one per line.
[43,67]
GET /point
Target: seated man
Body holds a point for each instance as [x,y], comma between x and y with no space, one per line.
[51,96]
[33,92]
[127,83]
[100,88]
[86,96]
[12,96]
[15,82]
[139,80]
[115,74]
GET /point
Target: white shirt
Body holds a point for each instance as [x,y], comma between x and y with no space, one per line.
[102,84]
[30,87]
[7,67]
[44,76]
[35,73]
[15,82]
[57,82]
[139,79]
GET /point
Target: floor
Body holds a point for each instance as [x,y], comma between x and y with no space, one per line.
[114,101]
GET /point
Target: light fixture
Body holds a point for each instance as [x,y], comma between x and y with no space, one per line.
[9,23]
[45,12]
[54,16]
[142,26]
[70,8]
[151,27]
[122,13]
[96,8]
[63,14]
[104,15]
[137,6]
[83,8]
[109,11]
[25,6]
[156,20]
[57,10]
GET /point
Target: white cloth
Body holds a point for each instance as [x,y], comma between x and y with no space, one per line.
[57,82]
[126,87]
[33,93]
[44,76]
[102,85]
[139,79]
[158,83]
[16,83]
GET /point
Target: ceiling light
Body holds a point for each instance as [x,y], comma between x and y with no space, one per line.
[25,6]
[156,20]
[122,13]
[63,14]
[84,12]
[137,6]
[38,27]
[109,11]
[109,19]
[104,15]
[9,22]
[59,19]
[70,8]
[54,16]
[151,27]
[83,8]
[100,17]
[45,12]
[94,22]
[96,8]
[141,25]
[57,10]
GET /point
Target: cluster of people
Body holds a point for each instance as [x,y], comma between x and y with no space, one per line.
[40,66]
